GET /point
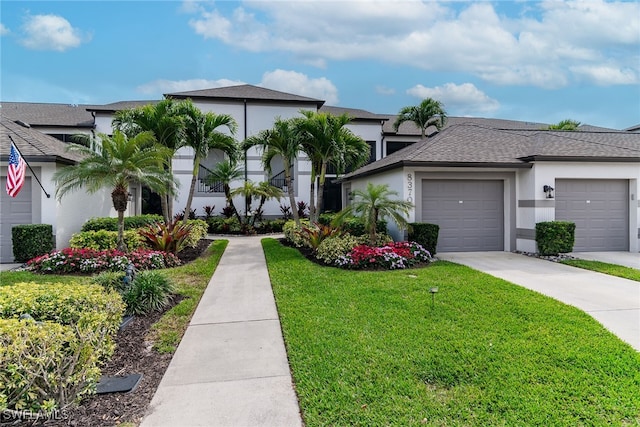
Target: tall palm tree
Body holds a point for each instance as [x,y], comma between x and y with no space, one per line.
[282,140]
[428,113]
[225,172]
[326,141]
[117,162]
[262,191]
[202,135]
[164,121]
[375,204]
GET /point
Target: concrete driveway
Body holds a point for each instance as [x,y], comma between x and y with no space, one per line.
[612,301]
[628,259]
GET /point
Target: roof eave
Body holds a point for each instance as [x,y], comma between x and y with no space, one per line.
[580,159]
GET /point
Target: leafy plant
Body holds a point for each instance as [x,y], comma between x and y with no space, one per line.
[291,232]
[392,256]
[31,240]
[286,212]
[170,237]
[554,237]
[228,211]
[149,291]
[110,280]
[335,247]
[111,224]
[104,240]
[302,209]
[208,211]
[314,234]
[425,234]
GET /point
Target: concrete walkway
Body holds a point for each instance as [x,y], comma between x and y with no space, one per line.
[627,259]
[231,367]
[612,301]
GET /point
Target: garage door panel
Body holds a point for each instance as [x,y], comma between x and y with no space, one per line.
[13,211]
[600,211]
[469,213]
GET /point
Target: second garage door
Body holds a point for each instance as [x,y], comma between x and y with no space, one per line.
[13,211]
[470,213]
[600,210]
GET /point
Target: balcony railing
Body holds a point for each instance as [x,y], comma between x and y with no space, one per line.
[205,184]
[279,180]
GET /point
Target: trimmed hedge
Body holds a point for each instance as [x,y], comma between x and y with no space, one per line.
[52,358]
[555,237]
[353,226]
[111,224]
[425,234]
[103,240]
[31,240]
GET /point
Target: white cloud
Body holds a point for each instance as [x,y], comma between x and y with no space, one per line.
[464,99]
[604,75]
[3,30]
[162,86]
[383,90]
[51,32]
[301,84]
[545,45]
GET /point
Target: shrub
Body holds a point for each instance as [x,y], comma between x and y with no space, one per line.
[208,211]
[354,225]
[302,209]
[45,366]
[166,237]
[314,234]
[554,237]
[102,240]
[291,232]
[382,239]
[111,224]
[335,247]
[425,234]
[198,231]
[110,280]
[71,260]
[149,291]
[31,240]
[286,212]
[227,212]
[271,226]
[392,256]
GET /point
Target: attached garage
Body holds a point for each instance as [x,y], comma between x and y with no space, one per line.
[600,210]
[13,211]
[470,213]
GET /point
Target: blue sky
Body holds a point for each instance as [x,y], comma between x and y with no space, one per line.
[523,60]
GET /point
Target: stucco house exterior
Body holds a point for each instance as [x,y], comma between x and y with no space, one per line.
[487,186]
[481,180]
[45,155]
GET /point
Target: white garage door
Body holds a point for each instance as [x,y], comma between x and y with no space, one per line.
[470,213]
[13,211]
[600,210]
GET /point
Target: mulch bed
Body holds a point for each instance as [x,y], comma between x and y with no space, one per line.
[133,355]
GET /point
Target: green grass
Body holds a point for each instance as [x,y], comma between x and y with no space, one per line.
[606,268]
[367,348]
[191,280]
[13,277]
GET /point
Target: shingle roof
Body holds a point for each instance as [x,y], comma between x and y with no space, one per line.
[355,113]
[119,106]
[41,114]
[248,92]
[35,146]
[410,129]
[474,145]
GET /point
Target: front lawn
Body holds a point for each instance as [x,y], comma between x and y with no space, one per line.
[606,268]
[367,348]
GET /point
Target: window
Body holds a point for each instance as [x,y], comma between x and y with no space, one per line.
[393,146]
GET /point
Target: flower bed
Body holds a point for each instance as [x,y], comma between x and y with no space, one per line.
[71,260]
[396,255]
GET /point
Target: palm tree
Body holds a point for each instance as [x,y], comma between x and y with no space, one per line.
[282,140]
[117,162]
[262,191]
[566,124]
[202,135]
[225,172]
[429,113]
[326,141]
[164,121]
[374,204]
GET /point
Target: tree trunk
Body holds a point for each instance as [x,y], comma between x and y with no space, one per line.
[227,194]
[120,198]
[312,195]
[373,226]
[292,198]
[165,209]
[192,189]
[323,171]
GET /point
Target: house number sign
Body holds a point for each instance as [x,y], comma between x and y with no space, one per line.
[409,188]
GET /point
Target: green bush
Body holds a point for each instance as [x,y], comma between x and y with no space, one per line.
[150,291]
[110,280]
[353,225]
[555,237]
[382,239]
[53,359]
[111,224]
[103,240]
[425,234]
[46,365]
[334,247]
[170,237]
[198,231]
[218,225]
[271,226]
[31,240]
[292,232]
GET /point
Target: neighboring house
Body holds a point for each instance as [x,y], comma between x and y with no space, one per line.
[32,206]
[485,186]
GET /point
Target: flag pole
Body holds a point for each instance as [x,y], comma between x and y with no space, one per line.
[32,172]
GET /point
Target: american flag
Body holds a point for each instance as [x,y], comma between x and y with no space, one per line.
[16,172]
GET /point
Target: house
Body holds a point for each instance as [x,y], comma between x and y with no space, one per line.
[487,186]
[32,205]
[481,179]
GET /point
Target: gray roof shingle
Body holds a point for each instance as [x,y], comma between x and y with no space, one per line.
[54,115]
[355,113]
[248,92]
[474,145]
[410,129]
[34,145]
